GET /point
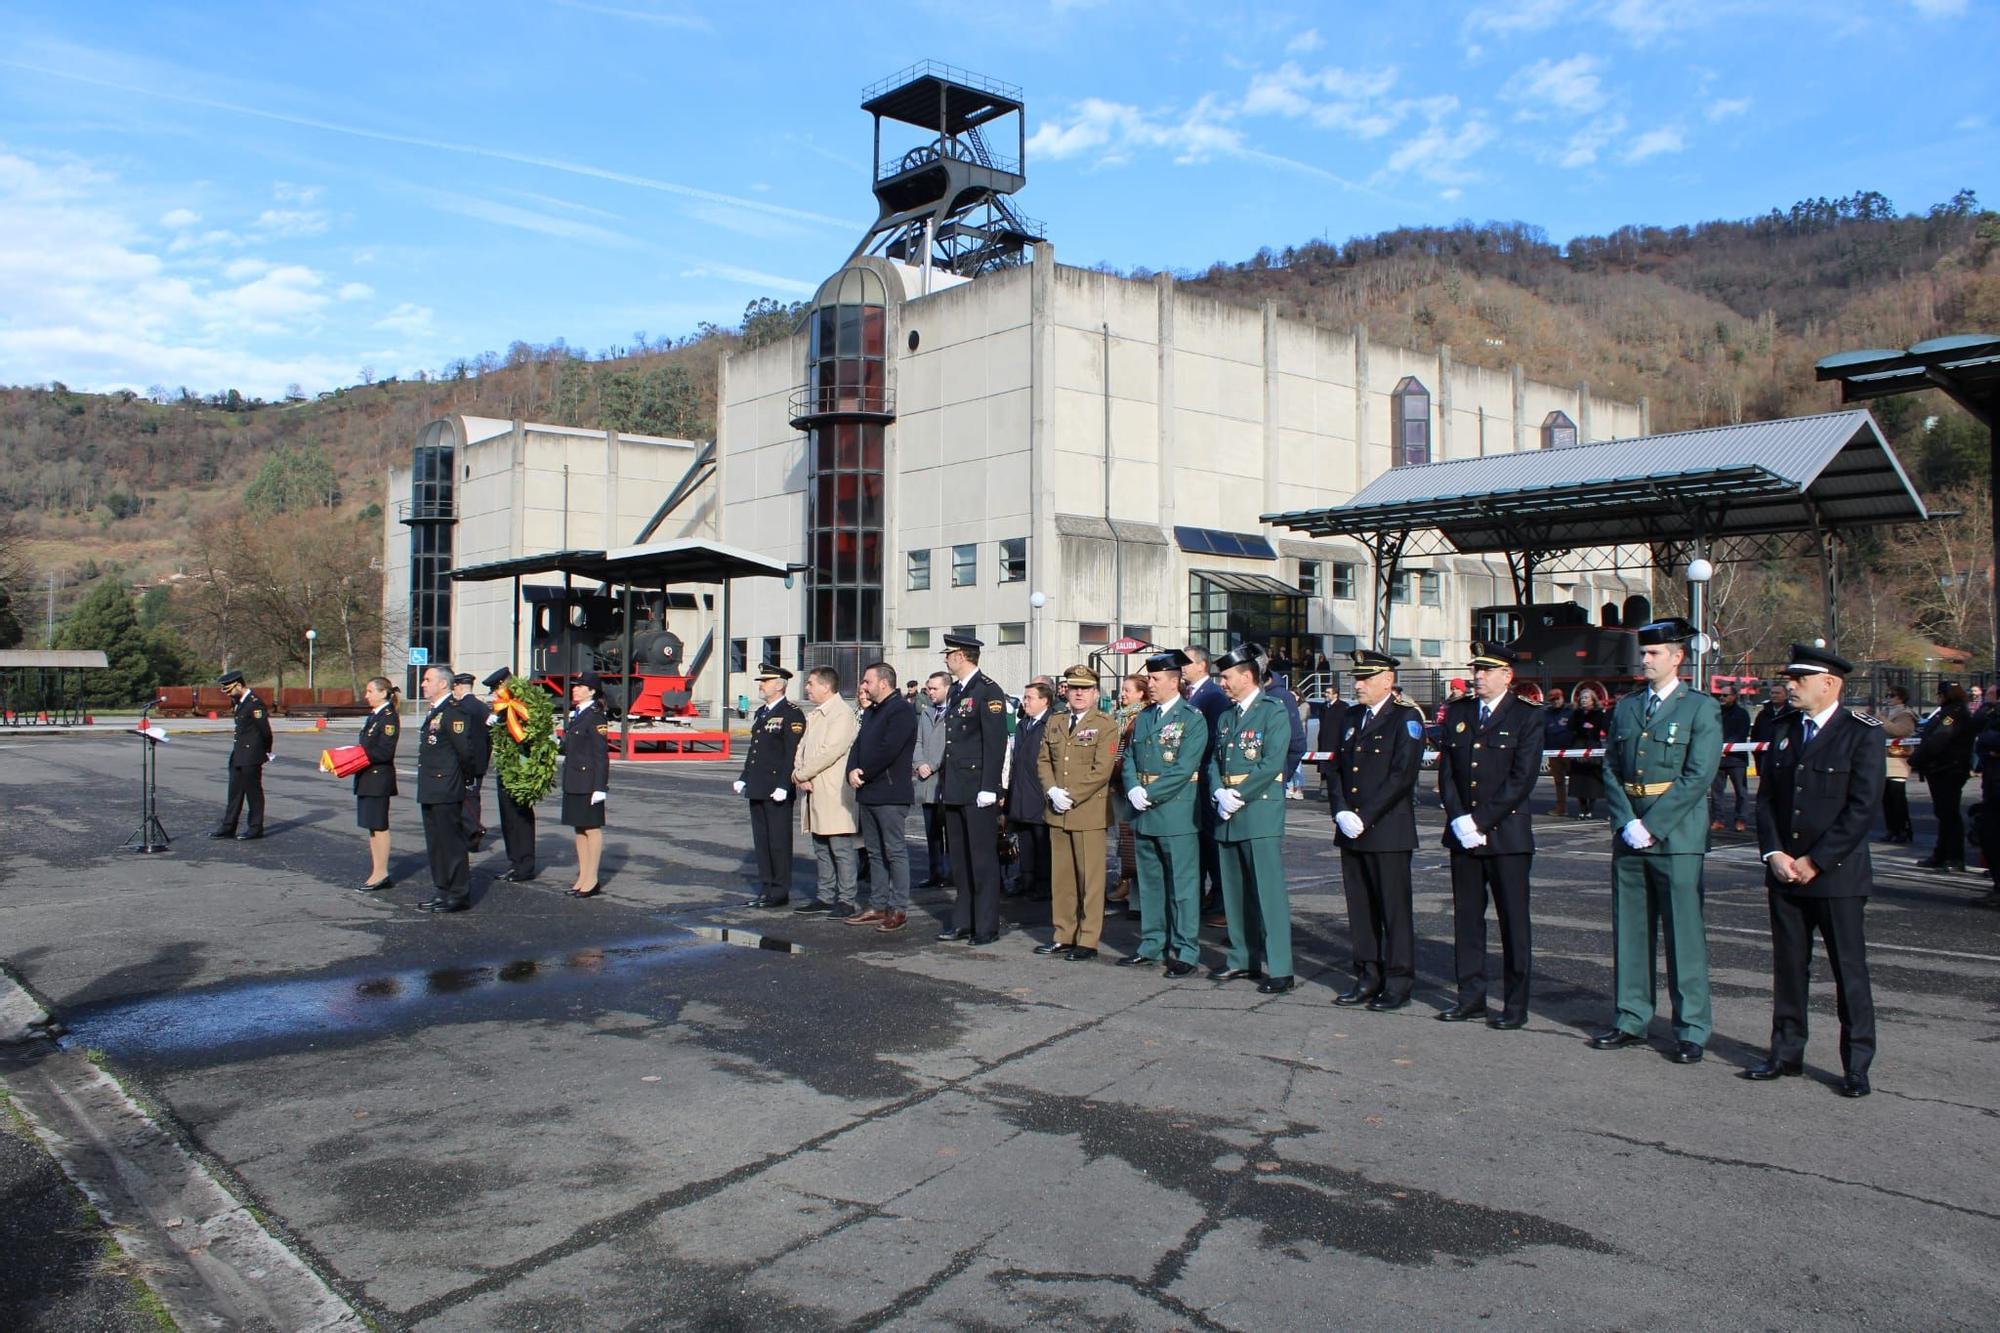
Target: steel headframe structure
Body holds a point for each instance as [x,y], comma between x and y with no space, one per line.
[1966,366]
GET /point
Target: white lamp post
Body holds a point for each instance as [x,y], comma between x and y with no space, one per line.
[1036,601]
[1699,573]
[312,635]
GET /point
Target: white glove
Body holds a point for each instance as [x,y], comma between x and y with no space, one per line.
[1467,833]
[778,794]
[1140,801]
[270,758]
[1227,802]
[738,784]
[985,799]
[1636,836]
[597,798]
[1059,798]
[491,718]
[1349,823]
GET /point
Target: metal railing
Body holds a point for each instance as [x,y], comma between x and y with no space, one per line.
[826,403]
[428,511]
[937,69]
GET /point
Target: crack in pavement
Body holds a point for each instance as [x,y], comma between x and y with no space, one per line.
[1166,1301]
[1671,1151]
[917,1295]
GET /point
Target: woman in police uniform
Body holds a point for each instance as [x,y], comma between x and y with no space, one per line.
[375,784]
[586,775]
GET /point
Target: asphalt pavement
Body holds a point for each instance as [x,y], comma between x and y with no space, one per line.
[547,1113]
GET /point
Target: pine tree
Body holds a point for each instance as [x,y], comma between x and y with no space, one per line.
[140,661]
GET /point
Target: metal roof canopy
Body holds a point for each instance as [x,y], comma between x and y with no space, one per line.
[682,560]
[1964,365]
[53,659]
[1261,584]
[1678,493]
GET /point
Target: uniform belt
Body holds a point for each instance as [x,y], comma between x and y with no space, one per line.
[1647,788]
[1146,779]
[1233,779]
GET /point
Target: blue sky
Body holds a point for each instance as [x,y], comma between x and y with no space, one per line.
[250,195]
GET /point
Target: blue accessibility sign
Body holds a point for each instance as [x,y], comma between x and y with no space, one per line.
[420,657]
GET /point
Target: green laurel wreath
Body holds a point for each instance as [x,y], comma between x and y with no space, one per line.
[528,770]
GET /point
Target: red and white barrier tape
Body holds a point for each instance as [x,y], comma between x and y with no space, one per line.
[1738,747]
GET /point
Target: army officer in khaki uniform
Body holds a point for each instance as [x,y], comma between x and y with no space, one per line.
[1077,760]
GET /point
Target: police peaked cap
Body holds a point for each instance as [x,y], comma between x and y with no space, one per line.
[230,678]
[1173,659]
[462,678]
[1807,660]
[1242,655]
[1487,655]
[1674,629]
[772,671]
[1368,662]
[953,642]
[498,678]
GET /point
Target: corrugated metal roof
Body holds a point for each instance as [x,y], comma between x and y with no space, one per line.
[1833,470]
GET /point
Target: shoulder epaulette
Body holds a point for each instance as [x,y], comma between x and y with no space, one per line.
[1867,719]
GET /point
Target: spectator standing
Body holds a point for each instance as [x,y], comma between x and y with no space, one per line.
[1555,735]
[1589,723]
[1277,684]
[830,812]
[1024,798]
[878,769]
[1899,723]
[925,763]
[1944,761]
[1131,703]
[1734,769]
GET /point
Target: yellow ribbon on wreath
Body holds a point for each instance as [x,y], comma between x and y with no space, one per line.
[513,712]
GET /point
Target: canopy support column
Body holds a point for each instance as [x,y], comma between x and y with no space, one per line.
[1829,577]
[1388,551]
[631,678]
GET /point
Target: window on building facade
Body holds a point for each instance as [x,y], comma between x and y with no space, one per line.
[1410,411]
[917,638]
[1558,431]
[843,409]
[1400,648]
[1343,643]
[739,655]
[1013,632]
[1430,647]
[1399,588]
[771,650]
[964,565]
[1341,584]
[1093,634]
[1309,577]
[1143,633]
[920,571]
[1013,559]
[965,631]
[1432,587]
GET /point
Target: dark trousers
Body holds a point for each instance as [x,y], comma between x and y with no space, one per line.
[444,839]
[1794,918]
[1896,808]
[1735,775]
[1378,918]
[517,827]
[1945,797]
[974,836]
[1586,784]
[245,784]
[771,840]
[471,809]
[1505,878]
[934,848]
[1987,830]
[1031,872]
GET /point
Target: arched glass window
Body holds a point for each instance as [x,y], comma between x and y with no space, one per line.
[1558,431]
[1411,414]
[844,410]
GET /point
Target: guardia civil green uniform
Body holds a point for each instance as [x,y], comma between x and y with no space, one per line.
[1248,758]
[1657,771]
[1164,760]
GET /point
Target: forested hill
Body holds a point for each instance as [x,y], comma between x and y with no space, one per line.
[1716,322]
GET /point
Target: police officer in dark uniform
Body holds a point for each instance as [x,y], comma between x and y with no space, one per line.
[1488,763]
[248,754]
[775,730]
[517,821]
[444,767]
[478,719]
[1823,780]
[975,746]
[1378,755]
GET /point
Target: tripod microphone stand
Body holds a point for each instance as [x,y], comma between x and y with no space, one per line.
[151,835]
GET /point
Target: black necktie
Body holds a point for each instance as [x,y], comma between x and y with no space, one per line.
[1484,714]
[1812,730]
[1652,704]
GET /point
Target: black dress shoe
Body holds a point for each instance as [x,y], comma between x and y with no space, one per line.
[981,941]
[250,835]
[1382,1004]
[443,905]
[1358,993]
[1612,1038]
[383,883]
[1235,974]
[1506,1024]
[1053,946]
[1175,966]
[1770,1069]
[770,904]
[223,833]
[1140,960]
[1685,1053]
[1462,1013]
[1275,985]
[815,906]
[1853,1085]
[1081,954]
[949,935]
[518,877]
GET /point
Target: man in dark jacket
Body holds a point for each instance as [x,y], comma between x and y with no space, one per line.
[444,767]
[775,731]
[1764,727]
[879,772]
[1377,756]
[975,747]
[1208,700]
[1734,768]
[1278,685]
[1488,762]
[248,753]
[1823,782]
[1944,761]
[1025,799]
[478,718]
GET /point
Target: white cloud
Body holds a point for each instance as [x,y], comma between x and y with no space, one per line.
[291,222]
[1518,16]
[1722,108]
[1119,129]
[1572,86]
[1440,154]
[180,218]
[1970,124]
[407,319]
[1643,22]
[749,277]
[523,219]
[354,291]
[1305,43]
[1354,102]
[1938,9]
[1653,143]
[659,17]
[1583,146]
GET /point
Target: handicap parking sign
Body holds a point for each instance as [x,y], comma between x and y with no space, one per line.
[420,657]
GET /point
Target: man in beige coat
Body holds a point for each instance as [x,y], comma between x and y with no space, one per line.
[1078,758]
[827,808]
